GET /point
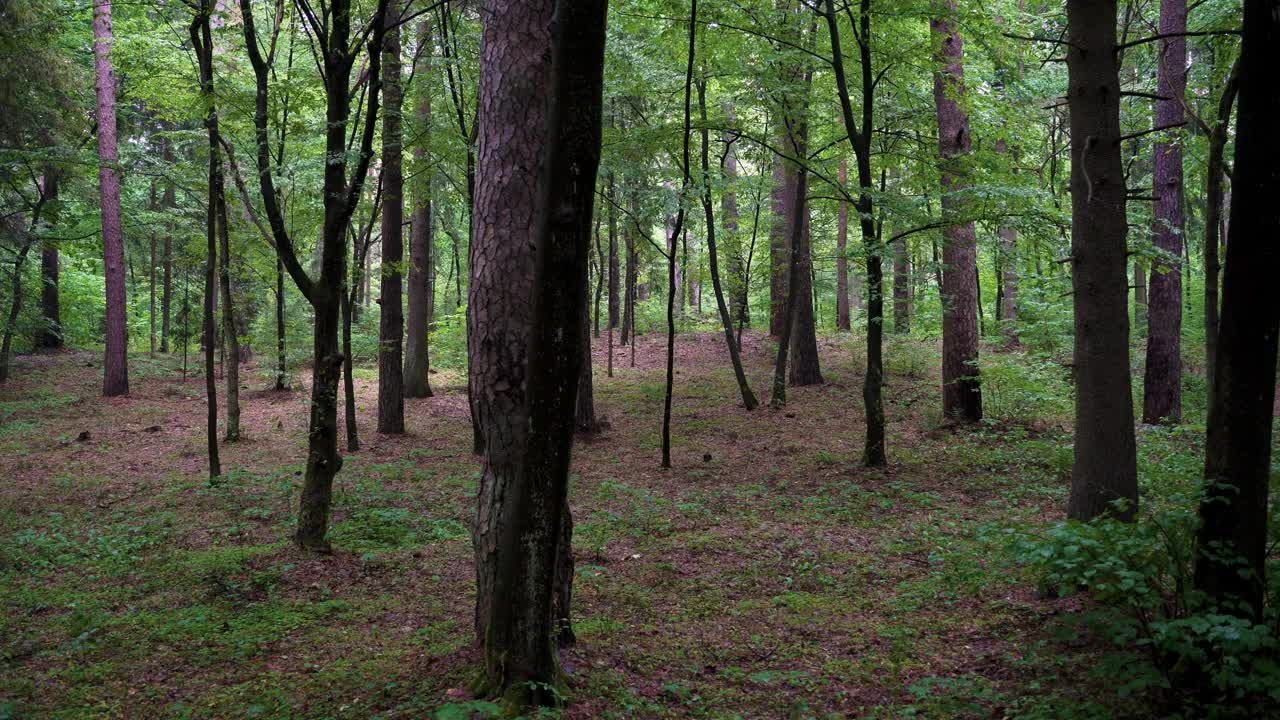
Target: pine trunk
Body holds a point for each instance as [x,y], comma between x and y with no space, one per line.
[115,380]
[391,317]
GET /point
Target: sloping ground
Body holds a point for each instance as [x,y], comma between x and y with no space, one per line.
[766,575]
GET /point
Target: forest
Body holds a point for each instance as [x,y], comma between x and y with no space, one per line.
[469,359]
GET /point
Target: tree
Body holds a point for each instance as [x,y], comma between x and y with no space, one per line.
[842,249]
[520,658]
[748,398]
[1105,466]
[511,133]
[50,333]
[1232,543]
[961,393]
[115,369]
[1213,215]
[338,55]
[1162,381]
[391,320]
[417,363]
[901,288]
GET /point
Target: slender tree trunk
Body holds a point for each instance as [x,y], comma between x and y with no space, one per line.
[417,363]
[282,367]
[1214,217]
[1139,296]
[1105,467]
[50,333]
[632,269]
[15,307]
[585,414]
[1231,562]
[961,392]
[842,249]
[231,337]
[1162,381]
[901,288]
[169,202]
[115,379]
[615,302]
[151,273]
[748,398]
[348,378]
[391,318]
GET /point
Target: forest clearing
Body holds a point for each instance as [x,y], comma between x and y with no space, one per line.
[766,574]
[498,359]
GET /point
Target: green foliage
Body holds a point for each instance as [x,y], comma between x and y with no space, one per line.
[1023,388]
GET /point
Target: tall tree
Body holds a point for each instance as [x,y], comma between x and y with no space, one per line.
[1162,381]
[805,368]
[50,334]
[199,32]
[1213,215]
[1105,466]
[748,398]
[391,319]
[1230,564]
[511,134]
[338,56]
[520,652]
[168,201]
[417,362]
[901,288]
[115,369]
[961,392]
[842,250]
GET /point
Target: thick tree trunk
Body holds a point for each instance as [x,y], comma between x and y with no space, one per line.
[778,397]
[417,362]
[1232,553]
[805,368]
[511,132]
[961,391]
[115,376]
[391,317]
[842,250]
[1162,380]
[1105,467]
[535,561]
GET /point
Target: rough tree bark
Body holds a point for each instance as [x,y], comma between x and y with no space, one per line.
[115,369]
[534,565]
[1232,544]
[805,368]
[417,361]
[391,317]
[961,391]
[901,288]
[1162,379]
[511,131]
[1105,466]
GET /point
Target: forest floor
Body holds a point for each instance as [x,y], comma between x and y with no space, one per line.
[766,575]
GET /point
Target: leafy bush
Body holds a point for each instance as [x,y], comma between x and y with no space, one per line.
[1022,388]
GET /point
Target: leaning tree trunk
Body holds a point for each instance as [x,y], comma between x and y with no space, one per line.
[1231,562]
[1105,466]
[1162,380]
[961,392]
[115,376]
[417,361]
[748,398]
[391,317]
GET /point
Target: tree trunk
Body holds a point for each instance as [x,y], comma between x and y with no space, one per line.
[348,378]
[50,333]
[778,397]
[1230,564]
[615,304]
[511,132]
[748,398]
[282,367]
[535,563]
[901,288]
[805,368]
[417,363]
[115,376]
[632,269]
[1162,380]
[1139,296]
[231,337]
[779,253]
[391,317]
[842,249]
[1105,466]
[585,414]
[169,202]
[1214,217]
[15,307]
[961,392]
